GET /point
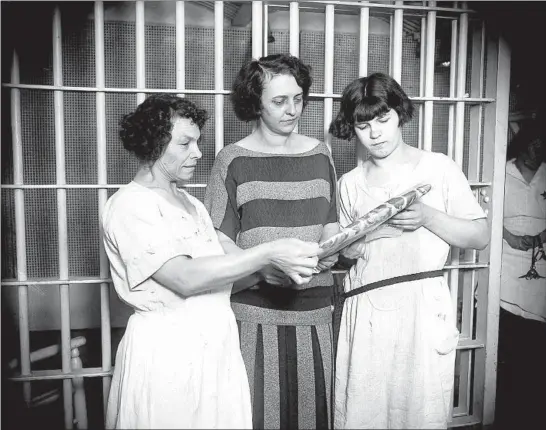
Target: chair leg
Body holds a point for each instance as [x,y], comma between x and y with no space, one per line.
[80,407]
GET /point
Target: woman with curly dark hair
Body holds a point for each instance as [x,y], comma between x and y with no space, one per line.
[179,363]
[278,183]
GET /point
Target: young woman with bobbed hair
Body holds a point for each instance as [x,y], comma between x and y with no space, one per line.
[396,347]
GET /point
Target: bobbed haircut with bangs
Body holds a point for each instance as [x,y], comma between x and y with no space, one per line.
[367,98]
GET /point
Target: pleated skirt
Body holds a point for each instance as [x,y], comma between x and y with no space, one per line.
[288,355]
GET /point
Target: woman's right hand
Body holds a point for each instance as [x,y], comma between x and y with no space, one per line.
[295,257]
[355,250]
[522,243]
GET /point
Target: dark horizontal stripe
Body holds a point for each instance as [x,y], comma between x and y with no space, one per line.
[298,190]
[282,298]
[281,168]
[280,213]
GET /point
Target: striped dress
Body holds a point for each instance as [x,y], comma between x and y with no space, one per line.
[285,332]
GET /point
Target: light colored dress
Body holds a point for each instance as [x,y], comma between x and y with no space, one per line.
[396,348]
[524,214]
[179,363]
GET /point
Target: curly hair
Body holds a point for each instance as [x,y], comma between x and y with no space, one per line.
[248,86]
[366,98]
[147,131]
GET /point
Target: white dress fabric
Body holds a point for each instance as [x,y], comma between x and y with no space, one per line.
[179,363]
[396,348]
[524,214]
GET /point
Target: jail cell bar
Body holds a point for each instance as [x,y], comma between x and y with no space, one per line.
[488,182]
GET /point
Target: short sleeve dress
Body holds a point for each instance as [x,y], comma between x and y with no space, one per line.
[179,363]
[524,213]
[396,348]
[286,332]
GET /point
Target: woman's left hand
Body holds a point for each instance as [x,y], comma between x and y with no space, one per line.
[327,262]
[413,217]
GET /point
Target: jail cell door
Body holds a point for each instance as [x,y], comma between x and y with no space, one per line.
[458,76]
[456,73]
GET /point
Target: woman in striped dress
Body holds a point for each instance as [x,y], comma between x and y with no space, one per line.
[276,183]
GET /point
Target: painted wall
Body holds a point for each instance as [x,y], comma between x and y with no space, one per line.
[163,12]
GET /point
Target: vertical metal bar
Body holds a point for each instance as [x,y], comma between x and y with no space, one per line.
[140,43]
[422,72]
[328,70]
[494,169]
[459,136]
[294,29]
[474,168]
[397,33]
[451,132]
[461,82]
[429,77]
[465,365]
[180,46]
[363,41]
[476,112]
[452,76]
[218,76]
[363,65]
[102,178]
[295,34]
[20,233]
[391,38]
[62,222]
[257,29]
[266,28]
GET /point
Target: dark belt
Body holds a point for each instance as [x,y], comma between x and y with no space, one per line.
[392,281]
[340,298]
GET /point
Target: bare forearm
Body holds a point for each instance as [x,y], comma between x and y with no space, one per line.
[246,282]
[188,277]
[231,247]
[462,233]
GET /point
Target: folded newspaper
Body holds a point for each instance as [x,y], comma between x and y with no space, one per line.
[371,221]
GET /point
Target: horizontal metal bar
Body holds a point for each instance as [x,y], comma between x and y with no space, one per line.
[385,6]
[78,186]
[467,266]
[470,100]
[474,184]
[463,420]
[462,266]
[42,375]
[98,280]
[42,281]
[112,90]
[465,343]
[439,100]
[115,186]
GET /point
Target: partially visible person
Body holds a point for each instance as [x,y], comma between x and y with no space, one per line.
[179,364]
[397,339]
[521,366]
[277,183]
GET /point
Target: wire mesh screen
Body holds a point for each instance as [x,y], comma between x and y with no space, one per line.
[38,128]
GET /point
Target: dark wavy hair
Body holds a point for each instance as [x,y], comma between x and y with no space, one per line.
[366,98]
[248,86]
[147,131]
